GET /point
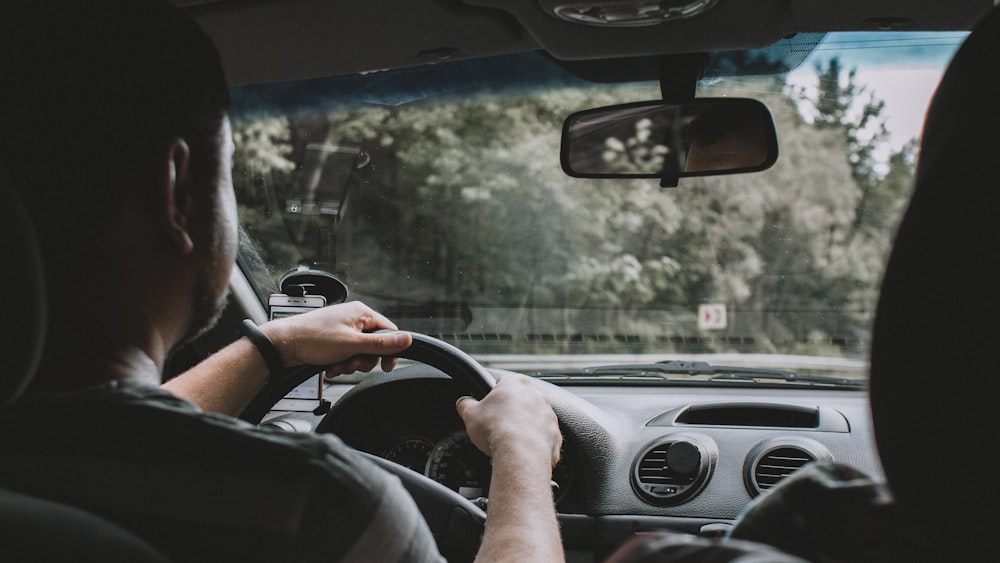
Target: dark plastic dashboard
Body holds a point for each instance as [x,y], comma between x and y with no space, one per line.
[635,459]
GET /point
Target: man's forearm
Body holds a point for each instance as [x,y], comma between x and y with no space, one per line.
[521,521]
[335,337]
[225,382]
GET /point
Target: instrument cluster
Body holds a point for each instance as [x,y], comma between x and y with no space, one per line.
[453,461]
[415,424]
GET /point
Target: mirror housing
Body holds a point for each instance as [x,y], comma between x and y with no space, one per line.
[700,137]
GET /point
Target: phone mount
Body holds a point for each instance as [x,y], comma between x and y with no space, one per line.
[306,281]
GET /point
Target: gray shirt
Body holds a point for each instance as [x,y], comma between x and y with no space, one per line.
[203,487]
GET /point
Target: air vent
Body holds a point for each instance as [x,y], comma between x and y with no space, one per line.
[672,471]
[773,461]
[778,464]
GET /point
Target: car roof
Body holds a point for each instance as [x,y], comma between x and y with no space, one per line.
[277,40]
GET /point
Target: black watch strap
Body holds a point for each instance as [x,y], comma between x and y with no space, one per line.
[272,358]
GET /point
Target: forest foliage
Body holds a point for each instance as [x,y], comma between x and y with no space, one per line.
[453,206]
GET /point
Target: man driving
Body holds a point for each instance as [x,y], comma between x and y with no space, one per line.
[117,137]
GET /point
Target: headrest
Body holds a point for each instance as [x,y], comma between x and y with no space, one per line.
[935,380]
[22,288]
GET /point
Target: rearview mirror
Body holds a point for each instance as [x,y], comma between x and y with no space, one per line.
[701,137]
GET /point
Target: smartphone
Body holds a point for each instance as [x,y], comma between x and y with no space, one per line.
[309,394]
[280,305]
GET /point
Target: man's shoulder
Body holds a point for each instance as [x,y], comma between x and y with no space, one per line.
[137,423]
[141,454]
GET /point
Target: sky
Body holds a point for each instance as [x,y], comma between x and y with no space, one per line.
[904,75]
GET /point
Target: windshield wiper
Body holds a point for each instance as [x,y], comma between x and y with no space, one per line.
[658,371]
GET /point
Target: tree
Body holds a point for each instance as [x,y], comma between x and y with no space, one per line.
[845,106]
[464,202]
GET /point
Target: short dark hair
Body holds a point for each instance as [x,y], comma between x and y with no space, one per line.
[90,91]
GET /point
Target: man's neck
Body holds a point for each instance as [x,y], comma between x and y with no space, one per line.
[133,364]
[64,368]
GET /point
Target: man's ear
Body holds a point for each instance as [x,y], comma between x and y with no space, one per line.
[174,194]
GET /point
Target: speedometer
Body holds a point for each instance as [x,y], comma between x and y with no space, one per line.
[457,463]
[410,452]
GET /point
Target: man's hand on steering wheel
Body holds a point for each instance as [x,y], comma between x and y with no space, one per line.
[515,413]
[515,425]
[338,337]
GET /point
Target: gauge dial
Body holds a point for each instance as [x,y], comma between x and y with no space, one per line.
[411,452]
[457,463]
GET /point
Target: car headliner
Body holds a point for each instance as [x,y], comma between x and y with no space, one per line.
[276,40]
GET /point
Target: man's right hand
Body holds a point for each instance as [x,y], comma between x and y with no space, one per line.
[515,425]
[515,414]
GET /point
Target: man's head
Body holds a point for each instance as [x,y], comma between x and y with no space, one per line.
[115,131]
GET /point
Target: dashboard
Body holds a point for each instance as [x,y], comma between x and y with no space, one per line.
[635,459]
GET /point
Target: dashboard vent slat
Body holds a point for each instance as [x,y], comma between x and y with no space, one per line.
[653,469]
[778,464]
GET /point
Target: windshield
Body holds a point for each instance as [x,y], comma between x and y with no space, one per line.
[436,194]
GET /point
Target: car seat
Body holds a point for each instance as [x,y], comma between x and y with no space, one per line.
[935,380]
[35,529]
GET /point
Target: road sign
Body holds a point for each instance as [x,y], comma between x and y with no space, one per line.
[712,316]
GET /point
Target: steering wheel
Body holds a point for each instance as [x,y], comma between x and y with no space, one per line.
[456,523]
